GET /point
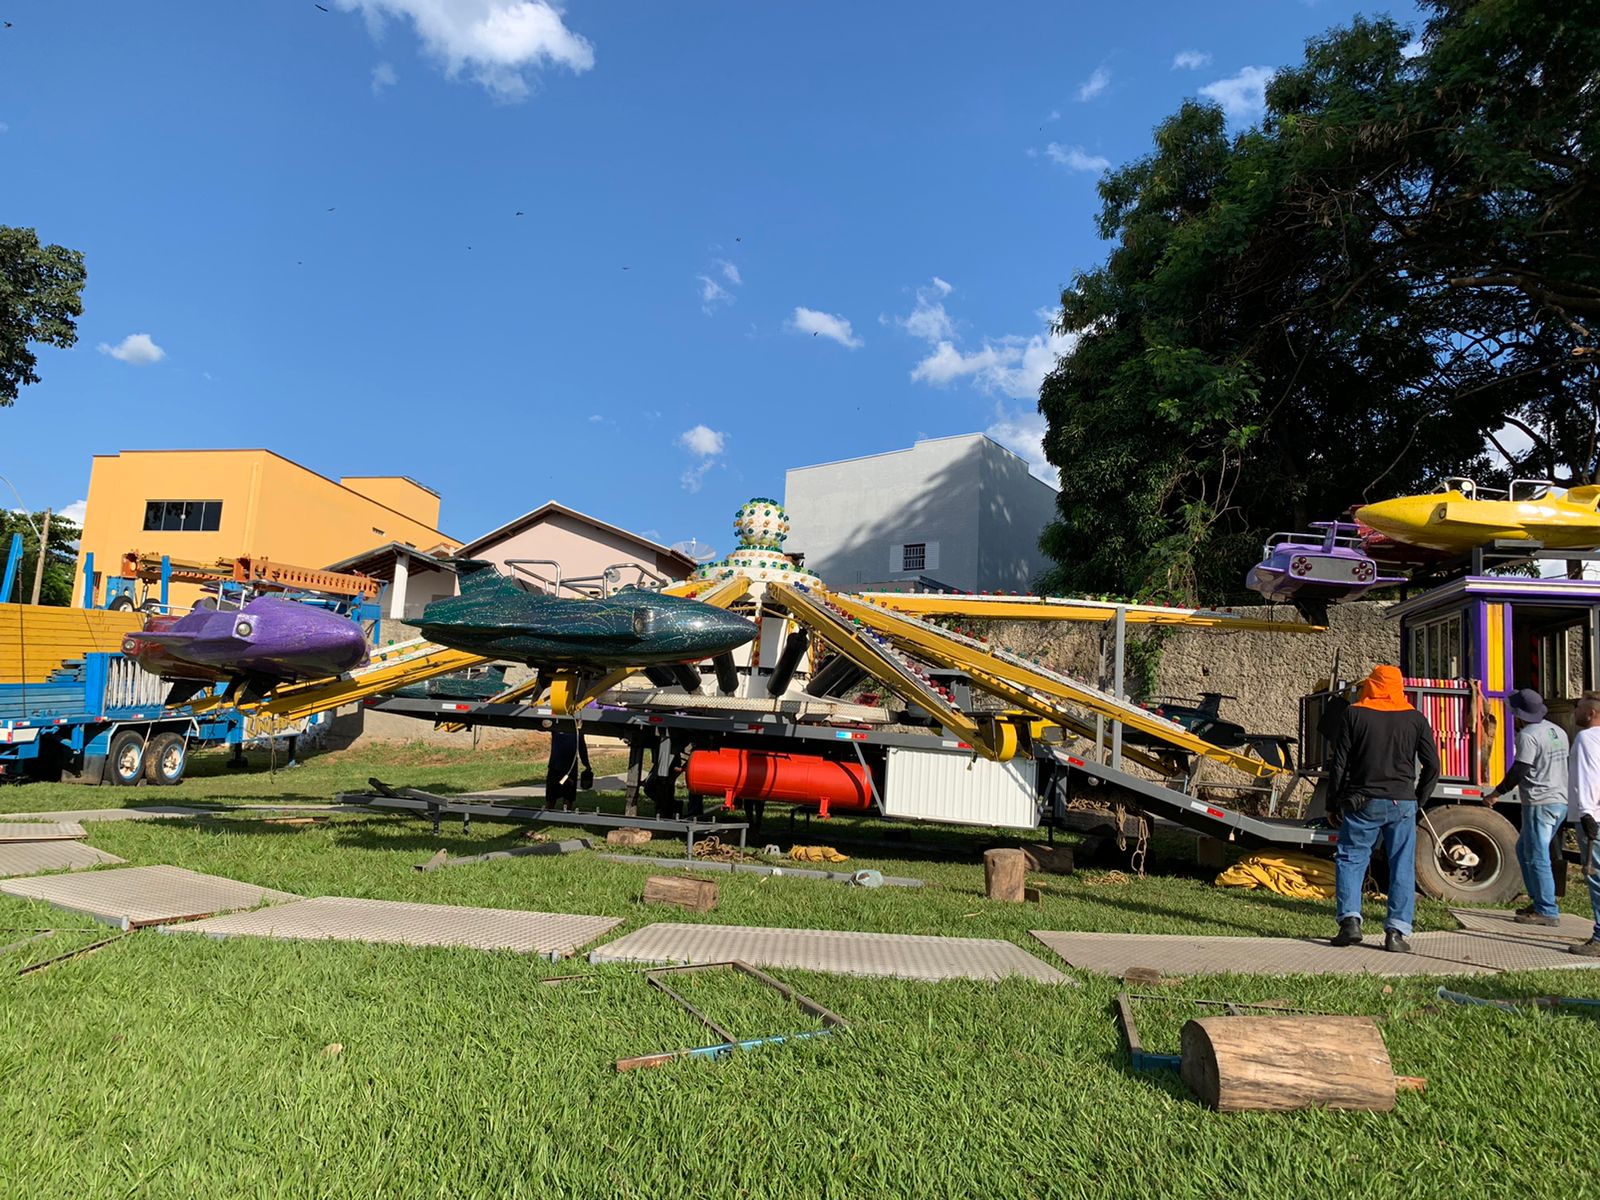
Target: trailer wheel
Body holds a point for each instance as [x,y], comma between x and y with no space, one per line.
[1467,854]
[120,603]
[125,762]
[166,758]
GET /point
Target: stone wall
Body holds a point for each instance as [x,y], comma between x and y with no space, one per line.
[1268,672]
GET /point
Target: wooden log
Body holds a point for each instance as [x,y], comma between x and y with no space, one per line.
[685,891]
[1005,874]
[1050,860]
[1278,1064]
[628,837]
[1210,853]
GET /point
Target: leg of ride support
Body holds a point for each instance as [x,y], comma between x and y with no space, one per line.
[630,804]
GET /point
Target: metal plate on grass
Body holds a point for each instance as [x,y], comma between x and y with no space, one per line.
[41,831]
[902,956]
[1174,954]
[1496,952]
[1498,920]
[336,918]
[30,858]
[128,897]
[148,812]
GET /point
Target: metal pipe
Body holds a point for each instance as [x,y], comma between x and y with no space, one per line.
[727,673]
[1118,655]
[793,649]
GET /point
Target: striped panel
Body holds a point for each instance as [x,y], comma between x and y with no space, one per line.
[1451,718]
[35,639]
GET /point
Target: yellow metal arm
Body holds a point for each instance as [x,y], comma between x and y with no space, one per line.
[1046,608]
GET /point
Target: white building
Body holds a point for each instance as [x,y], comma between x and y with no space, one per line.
[962,512]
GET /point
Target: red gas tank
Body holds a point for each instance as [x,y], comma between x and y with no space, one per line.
[788,778]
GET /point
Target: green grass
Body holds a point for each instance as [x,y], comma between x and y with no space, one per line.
[178,1066]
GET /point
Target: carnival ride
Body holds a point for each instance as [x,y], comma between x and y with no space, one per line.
[1463,515]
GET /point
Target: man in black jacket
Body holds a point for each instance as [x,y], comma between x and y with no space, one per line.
[1375,789]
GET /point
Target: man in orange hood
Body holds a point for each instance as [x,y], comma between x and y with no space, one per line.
[1382,767]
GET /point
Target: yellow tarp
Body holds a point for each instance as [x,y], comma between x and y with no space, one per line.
[1287,873]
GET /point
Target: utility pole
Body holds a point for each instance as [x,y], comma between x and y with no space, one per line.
[44,542]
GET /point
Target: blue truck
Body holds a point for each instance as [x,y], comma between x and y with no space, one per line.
[99,719]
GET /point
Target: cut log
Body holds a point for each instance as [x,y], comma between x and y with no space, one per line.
[1210,853]
[1051,860]
[685,891]
[628,837]
[1278,1064]
[1004,875]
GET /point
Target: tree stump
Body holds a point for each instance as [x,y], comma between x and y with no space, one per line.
[1278,1064]
[1005,874]
[685,891]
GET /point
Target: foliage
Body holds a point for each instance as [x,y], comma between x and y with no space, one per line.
[41,297]
[61,560]
[1338,305]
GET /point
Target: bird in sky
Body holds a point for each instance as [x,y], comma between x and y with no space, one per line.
[319,6]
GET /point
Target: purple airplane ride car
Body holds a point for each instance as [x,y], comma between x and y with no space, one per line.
[1313,570]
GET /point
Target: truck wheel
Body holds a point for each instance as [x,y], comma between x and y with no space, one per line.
[122,603]
[125,762]
[165,759]
[1467,854]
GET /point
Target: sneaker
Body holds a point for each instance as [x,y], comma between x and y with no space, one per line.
[1534,918]
[1395,942]
[1526,911]
[1589,949]
[1349,932]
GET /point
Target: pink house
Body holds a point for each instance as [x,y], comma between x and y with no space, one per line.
[556,542]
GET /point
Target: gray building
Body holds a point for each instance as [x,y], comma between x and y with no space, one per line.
[963,512]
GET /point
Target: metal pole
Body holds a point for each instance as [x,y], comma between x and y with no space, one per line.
[38,572]
[1118,655]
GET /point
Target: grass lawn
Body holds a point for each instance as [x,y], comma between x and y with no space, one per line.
[179,1066]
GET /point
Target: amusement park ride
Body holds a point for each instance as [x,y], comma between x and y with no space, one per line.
[752,681]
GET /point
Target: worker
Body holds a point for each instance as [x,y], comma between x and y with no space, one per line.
[1375,788]
[562,776]
[1540,776]
[1583,807]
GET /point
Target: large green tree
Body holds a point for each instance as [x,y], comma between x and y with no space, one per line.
[60,561]
[1354,297]
[41,299]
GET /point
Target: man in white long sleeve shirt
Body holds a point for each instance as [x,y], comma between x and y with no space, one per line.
[1583,807]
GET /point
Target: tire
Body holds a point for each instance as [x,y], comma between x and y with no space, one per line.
[165,759]
[1462,831]
[122,603]
[125,761]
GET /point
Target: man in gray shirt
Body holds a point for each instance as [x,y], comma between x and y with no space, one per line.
[1540,776]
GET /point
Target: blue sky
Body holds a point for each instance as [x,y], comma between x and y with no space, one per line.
[751,236]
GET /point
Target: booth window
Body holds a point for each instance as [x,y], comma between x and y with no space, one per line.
[1436,649]
[188,516]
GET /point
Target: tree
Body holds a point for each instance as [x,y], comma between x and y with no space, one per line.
[1338,305]
[61,560]
[41,298]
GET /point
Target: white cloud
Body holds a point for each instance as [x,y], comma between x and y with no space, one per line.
[821,324]
[1013,365]
[1413,49]
[702,441]
[928,320]
[706,444]
[496,41]
[74,512]
[730,272]
[136,348]
[1055,115]
[1076,158]
[1190,60]
[1095,84]
[1023,434]
[712,294]
[1241,95]
[383,76]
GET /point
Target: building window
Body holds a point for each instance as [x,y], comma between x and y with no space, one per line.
[1436,649]
[914,556]
[188,516]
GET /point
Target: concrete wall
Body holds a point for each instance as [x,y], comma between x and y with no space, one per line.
[581,549]
[404,495]
[968,499]
[1268,672]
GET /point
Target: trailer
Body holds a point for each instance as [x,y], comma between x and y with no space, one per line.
[99,719]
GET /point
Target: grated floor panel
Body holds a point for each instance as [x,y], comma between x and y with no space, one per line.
[146,812]
[30,858]
[128,897]
[902,956]
[1498,920]
[41,831]
[336,918]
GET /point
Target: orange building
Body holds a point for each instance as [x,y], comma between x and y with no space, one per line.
[204,505]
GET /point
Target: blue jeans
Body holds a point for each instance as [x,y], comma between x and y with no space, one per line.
[1539,824]
[1589,856]
[1395,821]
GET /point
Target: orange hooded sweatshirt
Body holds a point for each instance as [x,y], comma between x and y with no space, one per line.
[1384,690]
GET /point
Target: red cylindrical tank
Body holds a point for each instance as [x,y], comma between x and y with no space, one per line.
[788,778]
